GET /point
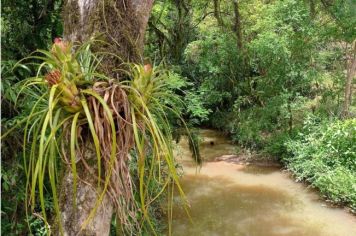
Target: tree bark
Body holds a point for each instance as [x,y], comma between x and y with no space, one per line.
[122,24]
[312,8]
[351,69]
[239,41]
[73,218]
[76,209]
[237,26]
[181,30]
[217,12]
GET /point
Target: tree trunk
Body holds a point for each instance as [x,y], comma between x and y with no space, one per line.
[217,12]
[74,217]
[237,26]
[238,31]
[121,23]
[180,31]
[312,8]
[351,69]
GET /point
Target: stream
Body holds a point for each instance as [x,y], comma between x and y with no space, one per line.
[238,199]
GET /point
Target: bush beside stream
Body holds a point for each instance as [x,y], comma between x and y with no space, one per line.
[325,155]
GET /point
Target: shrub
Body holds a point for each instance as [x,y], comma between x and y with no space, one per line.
[324,154]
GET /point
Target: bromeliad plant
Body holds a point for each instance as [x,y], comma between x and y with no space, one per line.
[76,105]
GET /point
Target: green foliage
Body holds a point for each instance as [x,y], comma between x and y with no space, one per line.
[275,144]
[171,28]
[25,26]
[67,94]
[55,100]
[324,154]
[39,225]
[148,89]
[216,77]
[342,26]
[13,196]
[13,176]
[28,25]
[196,108]
[194,142]
[291,66]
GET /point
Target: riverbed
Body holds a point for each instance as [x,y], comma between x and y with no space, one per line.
[238,199]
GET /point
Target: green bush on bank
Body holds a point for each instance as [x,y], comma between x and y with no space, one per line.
[324,154]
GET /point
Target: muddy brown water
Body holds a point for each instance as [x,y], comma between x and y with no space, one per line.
[228,199]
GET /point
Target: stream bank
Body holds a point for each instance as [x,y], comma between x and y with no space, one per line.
[230,197]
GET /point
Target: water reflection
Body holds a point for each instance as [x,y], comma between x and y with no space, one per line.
[214,145]
[229,199]
[258,170]
[221,207]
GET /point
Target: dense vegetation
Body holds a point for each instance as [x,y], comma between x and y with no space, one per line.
[276,75]
[323,153]
[26,26]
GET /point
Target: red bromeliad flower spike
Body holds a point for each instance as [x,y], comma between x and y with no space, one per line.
[147,68]
[62,45]
[53,77]
[57,40]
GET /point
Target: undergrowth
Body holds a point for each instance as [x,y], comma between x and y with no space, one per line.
[324,154]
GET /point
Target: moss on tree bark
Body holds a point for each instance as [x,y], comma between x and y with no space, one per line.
[122,24]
